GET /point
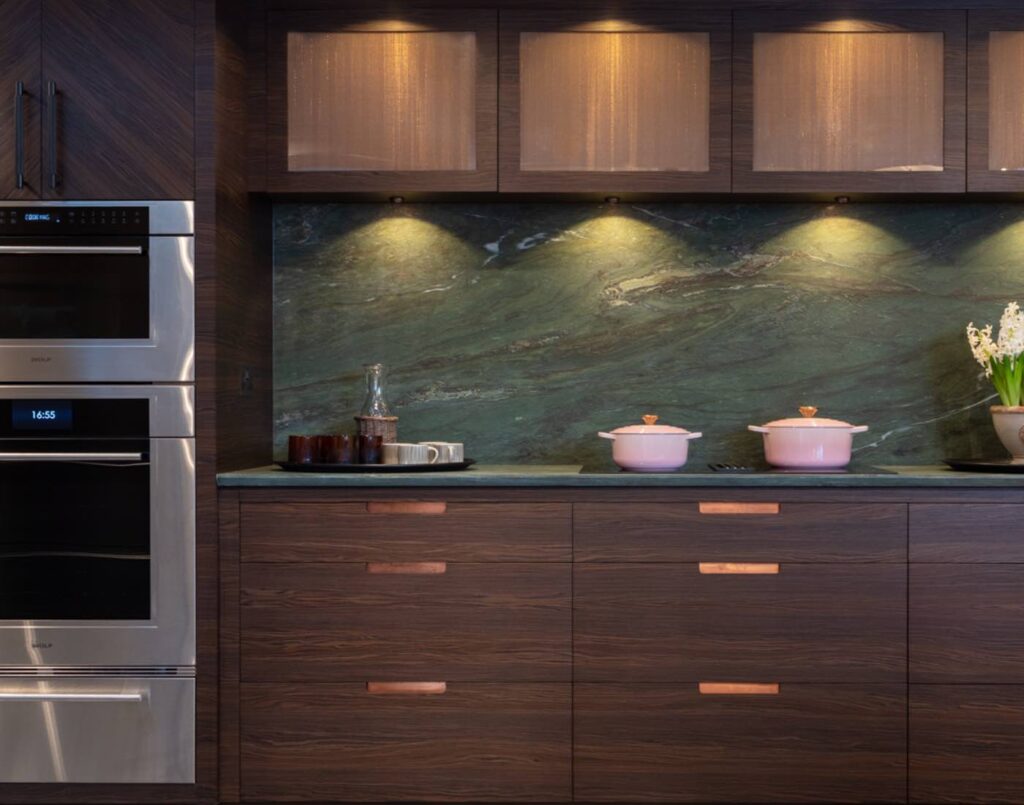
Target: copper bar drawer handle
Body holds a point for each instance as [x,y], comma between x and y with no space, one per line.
[407,568]
[738,688]
[406,507]
[406,688]
[725,507]
[739,568]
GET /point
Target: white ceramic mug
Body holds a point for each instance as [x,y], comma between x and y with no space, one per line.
[408,453]
[447,452]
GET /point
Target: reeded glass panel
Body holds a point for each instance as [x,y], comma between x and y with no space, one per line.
[848,102]
[614,101]
[1006,100]
[381,101]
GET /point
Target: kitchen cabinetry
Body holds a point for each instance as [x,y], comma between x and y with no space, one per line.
[995,125]
[360,101]
[638,102]
[102,99]
[837,105]
[966,653]
[672,645]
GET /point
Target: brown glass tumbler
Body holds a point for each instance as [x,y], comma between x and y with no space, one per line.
[302,449]
[334,449]
[370,449]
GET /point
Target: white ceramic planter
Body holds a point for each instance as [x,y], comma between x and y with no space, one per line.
[1009,424]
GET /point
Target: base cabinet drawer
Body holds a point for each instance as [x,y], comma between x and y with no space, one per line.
[807,743]
[799,622]
[967,623]
[966,743]
[477,742]
[716,531]
[453,621]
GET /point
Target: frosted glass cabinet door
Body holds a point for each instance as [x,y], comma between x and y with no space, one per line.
[846,105]
[394,105]
[995,127]
[640,103]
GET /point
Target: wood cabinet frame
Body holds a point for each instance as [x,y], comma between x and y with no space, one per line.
[717,24]
[482,22]
[979,177]
[951,179]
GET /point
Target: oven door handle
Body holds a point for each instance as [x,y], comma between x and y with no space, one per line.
[70,250]
[71,457]
[71,697]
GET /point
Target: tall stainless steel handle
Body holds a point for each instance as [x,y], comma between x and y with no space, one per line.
[19,134]
[51,94]
[71,697]
[70,457]
[70,250]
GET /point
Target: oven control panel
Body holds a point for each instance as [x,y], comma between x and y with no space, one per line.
[74,220]
[63,418]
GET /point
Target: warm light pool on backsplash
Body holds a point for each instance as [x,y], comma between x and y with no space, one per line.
[522,329]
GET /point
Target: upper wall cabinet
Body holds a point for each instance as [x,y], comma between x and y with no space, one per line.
[856,104]
[995,128]
[363,101]
[102,99]
[613,105]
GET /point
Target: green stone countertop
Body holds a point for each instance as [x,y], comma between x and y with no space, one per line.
[570,475]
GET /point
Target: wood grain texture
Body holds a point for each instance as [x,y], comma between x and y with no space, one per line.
[848,102]
[966,533]
[229,648]
[381,101]
[19,61]
[966,743]
[810,743]
[618,101]
[346,532]
[876,148]
[809,623]
[995,125]
[638,102]
[476,622]
[967,623]
[677,532]
[125,102]
[395,104]
[478,742]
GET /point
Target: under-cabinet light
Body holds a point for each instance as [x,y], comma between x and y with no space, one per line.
[397,199]
[842,199]
[612,199]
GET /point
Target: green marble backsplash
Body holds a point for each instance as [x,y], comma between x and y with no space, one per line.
[522,329]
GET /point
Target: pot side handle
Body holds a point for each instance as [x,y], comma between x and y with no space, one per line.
[859,429]
[693,435]
[757,429]
[604,435]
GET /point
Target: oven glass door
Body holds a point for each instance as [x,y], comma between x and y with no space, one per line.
[75,544]
[74,288]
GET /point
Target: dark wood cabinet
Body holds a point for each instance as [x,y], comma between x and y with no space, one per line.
[119,122]
[473,742]
[833,103]
[966,532]
[995,94]
[804,623]
[966,743]
[705,532]
[366,101]
[805,743]
[967,623]
[20,171]
[453,621]
[635,103]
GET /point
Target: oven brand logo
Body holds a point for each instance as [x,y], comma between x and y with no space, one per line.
[40,359]
[42,645]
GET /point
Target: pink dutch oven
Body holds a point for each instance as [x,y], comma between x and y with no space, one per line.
[650,447]
[808,443]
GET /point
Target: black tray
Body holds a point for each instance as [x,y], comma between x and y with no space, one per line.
[287,466]
[986,464]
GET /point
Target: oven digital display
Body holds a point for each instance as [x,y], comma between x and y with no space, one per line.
[41,415]
[38,216]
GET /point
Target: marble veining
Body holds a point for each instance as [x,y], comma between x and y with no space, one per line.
[522,329]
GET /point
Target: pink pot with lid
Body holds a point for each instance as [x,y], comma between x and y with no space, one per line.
[650,447]
[808,442]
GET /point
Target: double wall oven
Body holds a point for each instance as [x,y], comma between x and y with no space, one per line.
[97,493]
